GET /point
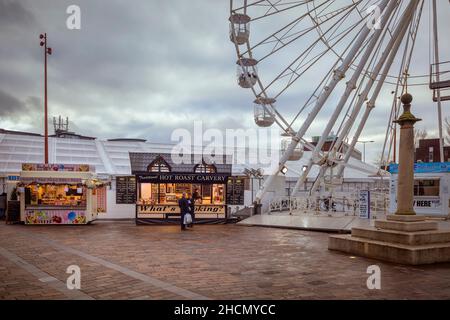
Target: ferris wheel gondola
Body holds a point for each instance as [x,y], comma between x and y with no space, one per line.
[263,117]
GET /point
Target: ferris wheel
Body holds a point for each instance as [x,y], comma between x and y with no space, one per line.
[305,59]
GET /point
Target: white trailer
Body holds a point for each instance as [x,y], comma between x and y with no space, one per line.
[431,189]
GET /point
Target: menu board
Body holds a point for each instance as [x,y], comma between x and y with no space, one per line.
[13,212]
[126,190]
[235,191]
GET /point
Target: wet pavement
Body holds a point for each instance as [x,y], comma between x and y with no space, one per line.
[119,260]
[333,222]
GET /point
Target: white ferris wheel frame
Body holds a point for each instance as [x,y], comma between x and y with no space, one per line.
[381,69]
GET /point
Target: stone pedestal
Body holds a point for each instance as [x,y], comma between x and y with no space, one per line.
[404,239]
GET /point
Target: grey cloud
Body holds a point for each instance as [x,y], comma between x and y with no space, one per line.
[9,105]
[13,13]
[145,68]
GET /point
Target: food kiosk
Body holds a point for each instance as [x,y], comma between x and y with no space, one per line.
[58,194]
[160,183]
[431,188]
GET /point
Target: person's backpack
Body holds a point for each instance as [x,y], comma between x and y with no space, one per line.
[187,218]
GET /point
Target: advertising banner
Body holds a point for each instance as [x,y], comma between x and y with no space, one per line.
[184,178]
[426,167]
[57,167]
[43,216]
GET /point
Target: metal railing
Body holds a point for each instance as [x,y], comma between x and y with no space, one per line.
[346,203]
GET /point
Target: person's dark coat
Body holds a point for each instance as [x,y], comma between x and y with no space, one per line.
[183,203]
[192,207]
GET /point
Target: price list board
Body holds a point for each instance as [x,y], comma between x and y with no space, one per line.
[13,215]
[235,191]
[126,190]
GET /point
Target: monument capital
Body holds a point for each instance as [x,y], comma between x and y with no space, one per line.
[407,117]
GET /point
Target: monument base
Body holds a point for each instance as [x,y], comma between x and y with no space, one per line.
[400,239]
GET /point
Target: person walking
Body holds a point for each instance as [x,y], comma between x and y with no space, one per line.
[192,209]
[183,203]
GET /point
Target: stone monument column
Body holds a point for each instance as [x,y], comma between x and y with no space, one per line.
[405,183]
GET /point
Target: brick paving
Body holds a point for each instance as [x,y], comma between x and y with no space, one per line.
[119,260]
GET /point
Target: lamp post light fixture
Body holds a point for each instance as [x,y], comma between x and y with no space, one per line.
[364,142]
[47,51]
[251,174]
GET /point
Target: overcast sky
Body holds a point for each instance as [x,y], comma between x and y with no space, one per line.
[143,68]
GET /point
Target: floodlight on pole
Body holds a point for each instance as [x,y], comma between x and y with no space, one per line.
[47,51]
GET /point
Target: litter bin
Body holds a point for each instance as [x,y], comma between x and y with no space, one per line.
[2,205]
[257,208]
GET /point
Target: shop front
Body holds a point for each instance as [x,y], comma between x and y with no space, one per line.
[160,183]
[59,194]
[431,188]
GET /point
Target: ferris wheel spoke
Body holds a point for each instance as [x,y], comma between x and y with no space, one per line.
[314,96]
[277,8]
[305,66]
[288,38]
[360,95]
[283,33]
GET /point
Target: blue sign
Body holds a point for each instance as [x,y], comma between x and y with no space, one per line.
[426,167]
[13,178]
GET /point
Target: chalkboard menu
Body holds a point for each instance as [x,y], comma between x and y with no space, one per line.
[126,190]
[235,191]
[13,215]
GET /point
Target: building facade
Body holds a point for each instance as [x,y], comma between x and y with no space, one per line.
[429,151]
[111,160]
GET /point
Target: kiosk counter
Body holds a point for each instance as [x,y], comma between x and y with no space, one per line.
[58,194]
[160,183]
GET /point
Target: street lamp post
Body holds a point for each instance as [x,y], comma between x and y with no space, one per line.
[252,174]
[47,51]
[364,142]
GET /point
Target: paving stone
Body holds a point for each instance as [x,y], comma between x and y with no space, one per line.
[122,261]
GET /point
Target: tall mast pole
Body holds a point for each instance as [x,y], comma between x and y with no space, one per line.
[47,51]
[438,91]
[46,108]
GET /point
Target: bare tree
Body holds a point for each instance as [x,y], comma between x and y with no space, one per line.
[381,160]
[420,135]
